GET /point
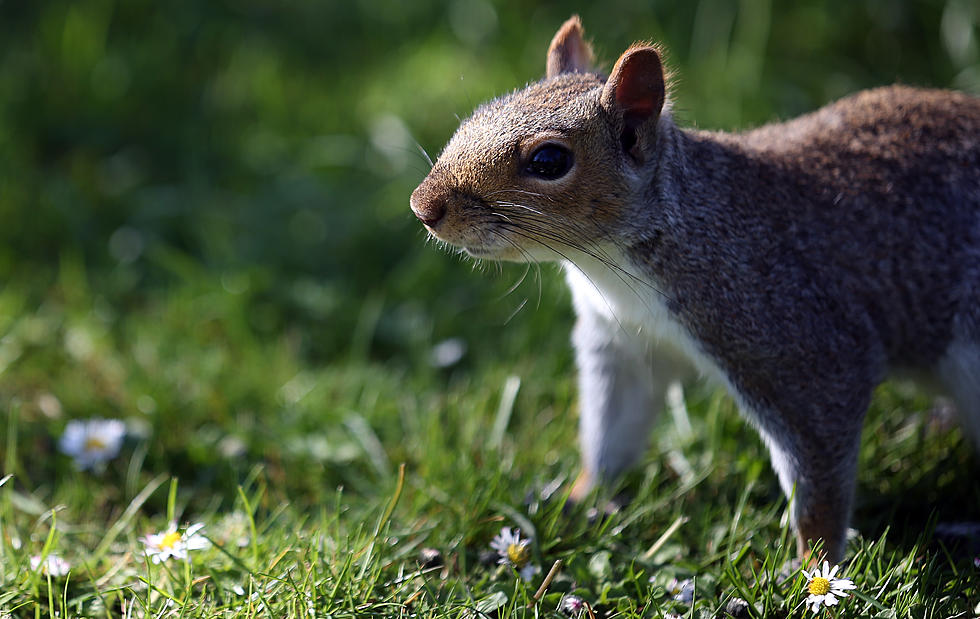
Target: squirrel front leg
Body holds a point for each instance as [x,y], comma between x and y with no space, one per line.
[619,394]
[816,468]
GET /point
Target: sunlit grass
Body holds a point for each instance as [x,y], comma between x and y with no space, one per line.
[357,489]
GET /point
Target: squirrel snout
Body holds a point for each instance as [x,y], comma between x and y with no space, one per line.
[430,209]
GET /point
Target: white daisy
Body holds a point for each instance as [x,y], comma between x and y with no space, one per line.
[171,543]
[682,590]
[824,587]
[515,550]
[52,565]
[572,606]
[92,442]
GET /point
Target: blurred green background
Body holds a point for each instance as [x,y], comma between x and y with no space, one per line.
[204,204]
[277,142]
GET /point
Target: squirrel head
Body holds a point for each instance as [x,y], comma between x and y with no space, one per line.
[553,167]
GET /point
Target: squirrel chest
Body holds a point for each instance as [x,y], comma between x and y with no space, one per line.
[628,300]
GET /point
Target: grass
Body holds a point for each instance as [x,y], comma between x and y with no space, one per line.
[367,489]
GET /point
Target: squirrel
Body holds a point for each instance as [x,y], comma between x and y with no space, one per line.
[799,263]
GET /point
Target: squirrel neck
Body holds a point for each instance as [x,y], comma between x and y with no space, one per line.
[697,181]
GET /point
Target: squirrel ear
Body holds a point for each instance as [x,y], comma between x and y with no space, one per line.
[568,52]
[635,91]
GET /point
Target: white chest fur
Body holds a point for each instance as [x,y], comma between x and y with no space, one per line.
[628,300]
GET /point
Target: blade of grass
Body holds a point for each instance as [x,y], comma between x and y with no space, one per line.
[504,411]
[123,522]
[368,555]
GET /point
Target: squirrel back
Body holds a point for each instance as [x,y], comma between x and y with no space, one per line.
[799,262]
[870,206]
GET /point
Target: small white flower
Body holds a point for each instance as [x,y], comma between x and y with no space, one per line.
[447,353]
[513,549]
[52,565]
[171,543]
[572,606]
[529,571]
[92,442]
[516,551]
[682,590]
[824,587]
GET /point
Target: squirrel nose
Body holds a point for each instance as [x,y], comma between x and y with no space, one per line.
[428,208]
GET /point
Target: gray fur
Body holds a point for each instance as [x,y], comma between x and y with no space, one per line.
[798,263]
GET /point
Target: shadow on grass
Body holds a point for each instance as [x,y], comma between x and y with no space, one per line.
[936,506]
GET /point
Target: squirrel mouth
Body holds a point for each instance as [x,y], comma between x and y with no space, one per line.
[480,252]
[475,251]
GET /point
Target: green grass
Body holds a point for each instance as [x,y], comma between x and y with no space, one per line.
[205,233]
[321,484]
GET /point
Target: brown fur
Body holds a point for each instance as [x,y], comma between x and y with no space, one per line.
[568,52]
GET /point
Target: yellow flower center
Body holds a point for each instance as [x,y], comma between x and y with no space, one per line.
[518,554]
[94,443]
[169,540]
[819,586]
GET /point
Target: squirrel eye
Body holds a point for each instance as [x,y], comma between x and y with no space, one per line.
[549,162]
